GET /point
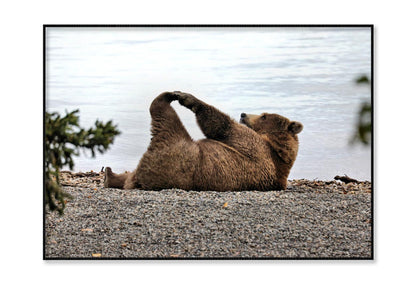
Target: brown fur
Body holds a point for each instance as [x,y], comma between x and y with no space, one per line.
[233,157]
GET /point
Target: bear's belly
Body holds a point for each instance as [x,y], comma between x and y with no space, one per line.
[222,168]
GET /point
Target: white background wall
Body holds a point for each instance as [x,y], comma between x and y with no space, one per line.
[21,93]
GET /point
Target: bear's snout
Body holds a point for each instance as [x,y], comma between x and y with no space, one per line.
[243,116]
[243,119]
[248,119]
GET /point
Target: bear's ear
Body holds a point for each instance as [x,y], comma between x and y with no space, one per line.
[295,127]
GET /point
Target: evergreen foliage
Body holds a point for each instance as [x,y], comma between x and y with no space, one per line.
[64,138]
[364,125]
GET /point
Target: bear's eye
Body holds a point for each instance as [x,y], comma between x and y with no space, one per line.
[263,117]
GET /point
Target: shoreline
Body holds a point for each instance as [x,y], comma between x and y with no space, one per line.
[92,179]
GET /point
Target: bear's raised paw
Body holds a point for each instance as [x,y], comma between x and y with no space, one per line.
[186,99]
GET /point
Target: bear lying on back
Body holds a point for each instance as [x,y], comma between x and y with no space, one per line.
[254,155]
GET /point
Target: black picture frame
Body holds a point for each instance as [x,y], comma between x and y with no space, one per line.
[371,257]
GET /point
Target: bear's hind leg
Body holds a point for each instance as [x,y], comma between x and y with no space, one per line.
[131,181]
[166,125]
[113,180]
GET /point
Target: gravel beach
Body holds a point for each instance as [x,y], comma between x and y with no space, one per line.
[311,219]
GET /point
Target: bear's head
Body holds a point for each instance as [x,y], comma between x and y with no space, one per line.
[279,132]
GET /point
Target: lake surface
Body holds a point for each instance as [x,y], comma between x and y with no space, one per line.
[305,74]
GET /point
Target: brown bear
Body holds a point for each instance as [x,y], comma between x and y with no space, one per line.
[254,155]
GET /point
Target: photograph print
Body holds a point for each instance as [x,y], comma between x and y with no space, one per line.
[208,142]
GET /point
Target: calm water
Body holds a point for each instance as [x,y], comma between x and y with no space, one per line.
[305,74]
